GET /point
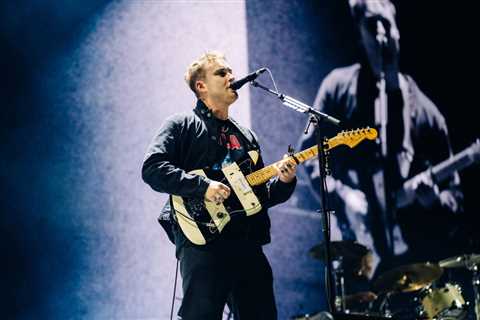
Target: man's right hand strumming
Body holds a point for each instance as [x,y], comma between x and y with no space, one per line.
[217,192]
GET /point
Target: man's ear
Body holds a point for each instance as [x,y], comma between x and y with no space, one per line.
[200,86]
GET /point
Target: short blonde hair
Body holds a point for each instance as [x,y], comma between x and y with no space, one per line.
[196,70]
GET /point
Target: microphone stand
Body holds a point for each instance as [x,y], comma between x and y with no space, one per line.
[381,121]
[316,118]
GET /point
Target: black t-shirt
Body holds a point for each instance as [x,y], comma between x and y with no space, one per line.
[231,144]
[231,148]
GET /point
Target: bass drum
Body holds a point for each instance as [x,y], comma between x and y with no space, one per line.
[444,303]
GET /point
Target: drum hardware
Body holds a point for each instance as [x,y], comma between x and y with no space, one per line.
[443,303]
[384,307]
[347,250]
[467,261]
[341,316]
[472,263]
[343,253]
[316,316]
[476,289]
[408,278]
[340,303]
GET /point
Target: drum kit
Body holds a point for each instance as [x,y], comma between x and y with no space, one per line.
[428,297]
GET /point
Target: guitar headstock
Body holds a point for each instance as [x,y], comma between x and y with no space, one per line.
[353,137]
[475,150]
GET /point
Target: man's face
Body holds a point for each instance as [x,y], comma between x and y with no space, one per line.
[380,35]
[218,77]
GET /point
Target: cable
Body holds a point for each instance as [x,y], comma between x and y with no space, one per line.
[174,290]
[271,77]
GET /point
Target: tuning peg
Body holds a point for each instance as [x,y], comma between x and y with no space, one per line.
[290,150]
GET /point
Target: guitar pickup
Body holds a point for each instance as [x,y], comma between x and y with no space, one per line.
[242,189]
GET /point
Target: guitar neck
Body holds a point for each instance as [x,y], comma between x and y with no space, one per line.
[456,163]
[440,172]
[263,175]
[350,138]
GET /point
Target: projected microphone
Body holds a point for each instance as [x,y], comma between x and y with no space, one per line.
[252,76]
[381,34]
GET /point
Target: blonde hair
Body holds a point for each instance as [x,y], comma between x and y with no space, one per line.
[196,70]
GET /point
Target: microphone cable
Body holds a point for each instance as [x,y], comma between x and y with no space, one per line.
[174,290]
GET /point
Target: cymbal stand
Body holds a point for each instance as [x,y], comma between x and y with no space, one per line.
[476,287]
[384,307]
[340,303]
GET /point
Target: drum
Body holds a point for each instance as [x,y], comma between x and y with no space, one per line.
[444,303]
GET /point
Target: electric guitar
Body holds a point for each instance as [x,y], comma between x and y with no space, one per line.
[440,172]
[201,221]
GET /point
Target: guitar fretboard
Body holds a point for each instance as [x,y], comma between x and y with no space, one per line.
[263,175]
[458,162]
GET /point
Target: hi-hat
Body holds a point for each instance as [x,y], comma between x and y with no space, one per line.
[463,261]
[408,278]
[347,250]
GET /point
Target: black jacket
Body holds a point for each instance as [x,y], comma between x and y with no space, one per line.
[189,141]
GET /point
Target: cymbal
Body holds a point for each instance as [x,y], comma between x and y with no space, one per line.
[463,261]
[408,278]
[348,250]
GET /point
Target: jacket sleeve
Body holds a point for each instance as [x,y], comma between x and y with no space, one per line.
[279,192]
[161,169]
[436,142]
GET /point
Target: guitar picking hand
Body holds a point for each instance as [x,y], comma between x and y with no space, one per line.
[426,191]
[217,192]
[286,169]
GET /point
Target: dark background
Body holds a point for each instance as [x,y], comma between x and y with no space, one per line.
[301,41]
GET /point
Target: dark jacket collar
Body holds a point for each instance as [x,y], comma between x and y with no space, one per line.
[206,114]
[202,109]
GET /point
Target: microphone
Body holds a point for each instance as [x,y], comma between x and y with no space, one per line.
[381,34]
[252,76]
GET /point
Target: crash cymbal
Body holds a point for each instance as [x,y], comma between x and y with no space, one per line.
[348,250]
[408,278]
[463,261]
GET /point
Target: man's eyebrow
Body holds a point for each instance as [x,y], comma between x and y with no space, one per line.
[224,69]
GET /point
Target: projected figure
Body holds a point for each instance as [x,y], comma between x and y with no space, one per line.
[219,246]
[413,135]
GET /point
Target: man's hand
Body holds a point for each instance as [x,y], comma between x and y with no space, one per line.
[286,169]
[217,192]
[361,297]
[356,201]
[425,190]
[448,200]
